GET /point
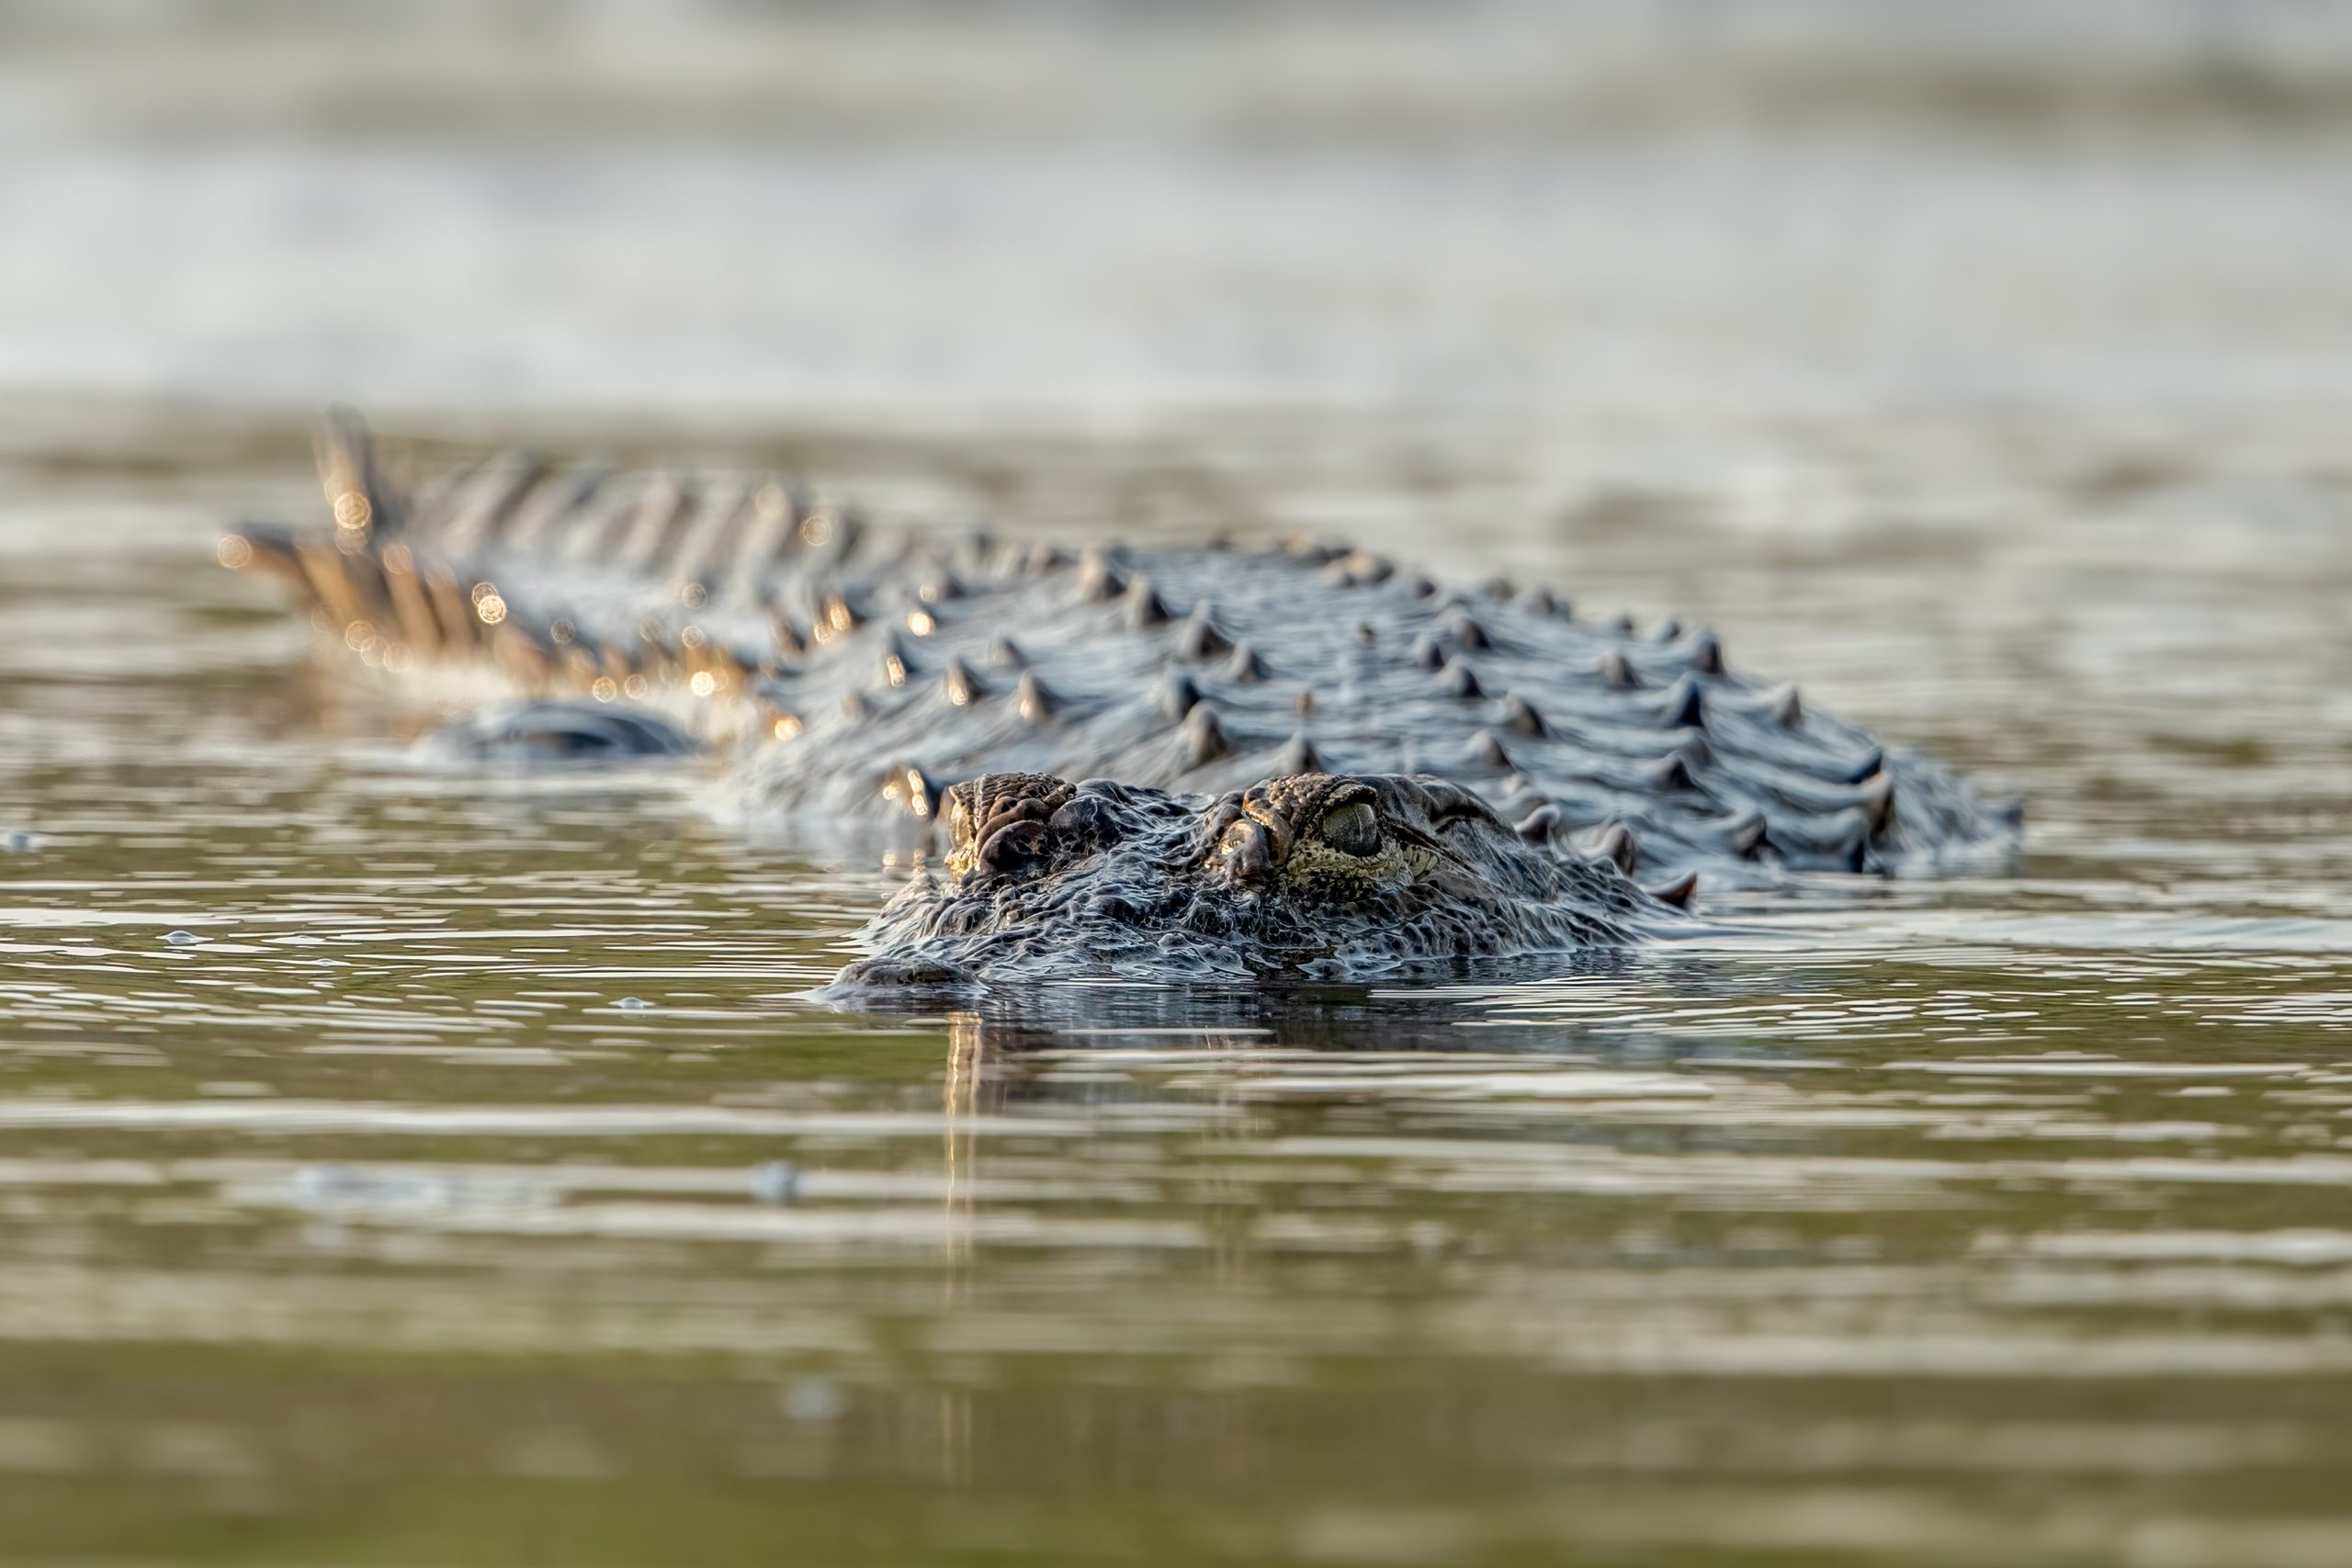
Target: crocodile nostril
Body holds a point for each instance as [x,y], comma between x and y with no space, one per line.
[1013,846]
[1086,822]
[1250,852]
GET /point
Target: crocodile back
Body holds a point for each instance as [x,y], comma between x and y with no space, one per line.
[869,668]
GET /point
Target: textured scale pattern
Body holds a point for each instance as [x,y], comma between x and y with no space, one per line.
[869,669]
[1308,873]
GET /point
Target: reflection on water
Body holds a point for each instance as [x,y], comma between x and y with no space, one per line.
[395,1164]
[402,1169]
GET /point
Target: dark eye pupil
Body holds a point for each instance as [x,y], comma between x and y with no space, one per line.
[1352,828]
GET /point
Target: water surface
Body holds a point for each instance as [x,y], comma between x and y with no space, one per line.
[417,1170]
[397,1163]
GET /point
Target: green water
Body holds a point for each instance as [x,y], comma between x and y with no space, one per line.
[470,1183]
[476,1187]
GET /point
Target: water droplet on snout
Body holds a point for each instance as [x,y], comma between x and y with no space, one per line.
[633,1003]
[182,939]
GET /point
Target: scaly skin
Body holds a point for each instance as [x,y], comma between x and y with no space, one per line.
[869,670]
[1311,874]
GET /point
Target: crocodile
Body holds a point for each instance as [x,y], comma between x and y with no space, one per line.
[1173,761]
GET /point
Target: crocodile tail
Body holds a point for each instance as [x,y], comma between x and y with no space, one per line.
[569,579]
[366,505]
[398,607]
[357,577]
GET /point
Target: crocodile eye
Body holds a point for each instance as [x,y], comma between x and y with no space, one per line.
[1352,828]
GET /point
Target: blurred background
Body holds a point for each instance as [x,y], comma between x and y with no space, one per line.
[1084,214]
[1987,367]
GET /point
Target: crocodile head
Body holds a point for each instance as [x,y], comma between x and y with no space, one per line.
[1314,873]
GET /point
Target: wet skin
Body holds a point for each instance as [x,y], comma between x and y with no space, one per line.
[1330,765]
[1315,873]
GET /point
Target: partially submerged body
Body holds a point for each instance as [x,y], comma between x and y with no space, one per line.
[1308,873]
[863,671]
